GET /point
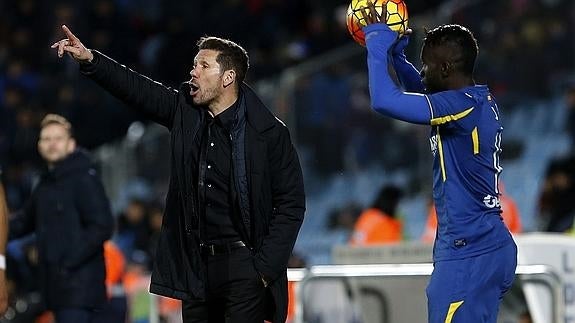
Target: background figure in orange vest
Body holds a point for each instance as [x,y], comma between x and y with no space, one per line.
[379,224]
[115,311]
[509,213]
[295,261]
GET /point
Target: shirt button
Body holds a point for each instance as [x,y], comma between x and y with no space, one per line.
[209,166]
[210,185]
[212,144]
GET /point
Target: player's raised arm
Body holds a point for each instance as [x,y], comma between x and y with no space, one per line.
[386,97]
[73,46]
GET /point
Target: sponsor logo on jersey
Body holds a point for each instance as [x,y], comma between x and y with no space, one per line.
[491,201]
[433,140]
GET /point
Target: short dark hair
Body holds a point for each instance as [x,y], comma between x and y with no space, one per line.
[231,56]
[458,38]
[52,118]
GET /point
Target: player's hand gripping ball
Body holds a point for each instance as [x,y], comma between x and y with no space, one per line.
[395,11]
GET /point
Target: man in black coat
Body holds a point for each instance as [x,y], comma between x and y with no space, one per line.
[236,199]
[70,214]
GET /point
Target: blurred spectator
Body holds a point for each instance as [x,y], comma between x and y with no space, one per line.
[556,207]
[344,218]
[136,282]
[430,229]
[295,261]
[70,215]
[510,211]
[116,309]
[380,224]
[133,226]
[156,216]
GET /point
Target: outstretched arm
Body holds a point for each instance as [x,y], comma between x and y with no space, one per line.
[386,97]
[155,100]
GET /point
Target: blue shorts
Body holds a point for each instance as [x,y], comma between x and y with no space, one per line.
[470,290]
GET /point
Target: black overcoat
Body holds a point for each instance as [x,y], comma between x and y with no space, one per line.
[268,184]
[71,216]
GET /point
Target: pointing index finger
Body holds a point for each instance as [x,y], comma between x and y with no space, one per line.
[69,33]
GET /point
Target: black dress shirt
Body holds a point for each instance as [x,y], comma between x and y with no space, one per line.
[214,178]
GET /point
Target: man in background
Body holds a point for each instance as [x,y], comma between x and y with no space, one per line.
[70,214]
[380,224]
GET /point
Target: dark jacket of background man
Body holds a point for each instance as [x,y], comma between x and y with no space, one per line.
[70,213]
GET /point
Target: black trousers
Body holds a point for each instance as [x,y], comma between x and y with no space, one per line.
[234,292]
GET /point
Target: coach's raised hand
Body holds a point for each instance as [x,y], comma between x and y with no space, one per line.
[73,46]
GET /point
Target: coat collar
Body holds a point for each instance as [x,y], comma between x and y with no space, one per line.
[257,114]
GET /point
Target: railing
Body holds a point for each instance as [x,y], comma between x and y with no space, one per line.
[529,273]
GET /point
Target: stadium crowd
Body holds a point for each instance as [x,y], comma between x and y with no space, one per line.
[528,44]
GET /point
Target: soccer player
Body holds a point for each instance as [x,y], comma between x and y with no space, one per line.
[474,254]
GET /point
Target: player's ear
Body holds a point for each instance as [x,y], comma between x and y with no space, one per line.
[229,77]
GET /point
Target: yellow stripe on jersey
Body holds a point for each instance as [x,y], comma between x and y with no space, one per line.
[451,117]
[475,138]
[452,308]
[441,159]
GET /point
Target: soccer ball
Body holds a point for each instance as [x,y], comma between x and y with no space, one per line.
[396,17]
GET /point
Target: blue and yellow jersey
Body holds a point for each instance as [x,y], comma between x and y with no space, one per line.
[466,143]
[465,140]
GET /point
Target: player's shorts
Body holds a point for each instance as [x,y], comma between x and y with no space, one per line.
[470,290]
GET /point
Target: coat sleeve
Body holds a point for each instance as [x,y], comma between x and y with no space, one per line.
[288,201]
[155,100]
[24,221]
[95,216]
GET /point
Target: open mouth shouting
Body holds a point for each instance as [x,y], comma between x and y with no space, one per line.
[194,89]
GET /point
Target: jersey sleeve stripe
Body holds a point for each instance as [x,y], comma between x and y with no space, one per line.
[451,117]
[441,159]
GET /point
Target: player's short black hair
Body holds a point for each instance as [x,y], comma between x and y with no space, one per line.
[460,40]
[231,55]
